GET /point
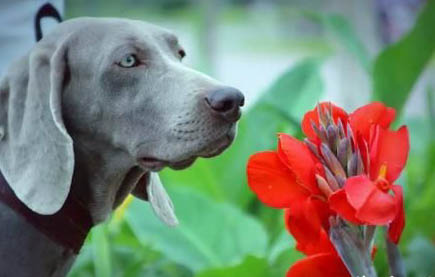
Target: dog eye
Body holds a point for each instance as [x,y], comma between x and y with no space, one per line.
[129,61]
[181,53]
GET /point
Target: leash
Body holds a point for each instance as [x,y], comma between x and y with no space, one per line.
[68,227]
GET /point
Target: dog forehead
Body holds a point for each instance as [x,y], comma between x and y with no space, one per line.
[113,28]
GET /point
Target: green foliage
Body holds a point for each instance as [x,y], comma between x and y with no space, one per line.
[209,235]
[101,252]
[398,67]
[250,267]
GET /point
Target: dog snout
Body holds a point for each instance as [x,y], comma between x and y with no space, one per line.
[226,102]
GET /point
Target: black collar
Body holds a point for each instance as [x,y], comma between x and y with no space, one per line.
[68,227]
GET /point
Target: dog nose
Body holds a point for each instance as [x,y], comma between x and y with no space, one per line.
[227,102]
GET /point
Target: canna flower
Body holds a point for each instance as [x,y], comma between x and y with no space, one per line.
[372,198]
[345,168]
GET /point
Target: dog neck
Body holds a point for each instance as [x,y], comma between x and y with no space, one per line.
[67,227]
[39,245]
[103,176]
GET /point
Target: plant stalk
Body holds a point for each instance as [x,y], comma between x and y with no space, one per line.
[397,267]
[352,250]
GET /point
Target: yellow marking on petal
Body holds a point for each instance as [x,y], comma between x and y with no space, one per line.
[383,171]
[119,213]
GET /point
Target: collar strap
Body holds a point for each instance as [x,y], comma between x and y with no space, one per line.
[67,227]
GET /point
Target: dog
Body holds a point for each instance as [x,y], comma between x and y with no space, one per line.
[88,116]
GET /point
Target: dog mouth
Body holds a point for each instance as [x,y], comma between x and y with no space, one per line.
[154,164]
[212,150]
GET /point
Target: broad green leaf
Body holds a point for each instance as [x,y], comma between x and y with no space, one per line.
[282,254]
[201,176]
[210,234]
[284,242]
[295,91]
[101,252]
[284,261]
[419,183]
[397,68]
[82,266]
[250,267]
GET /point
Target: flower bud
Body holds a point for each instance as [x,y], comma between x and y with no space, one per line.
[331,133]
[352,165]
[313,148]
[342,149]
[360,163]
[320,131]
[323,185]
[331,179]
[340,127]
[331,161]
[322,117]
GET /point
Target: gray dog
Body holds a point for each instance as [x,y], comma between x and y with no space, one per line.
[85,117]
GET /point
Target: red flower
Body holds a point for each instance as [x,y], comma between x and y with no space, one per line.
[313,117]
[323,264]
[308,222]
[347,167]
[280,180]
[362,119]
[373,198]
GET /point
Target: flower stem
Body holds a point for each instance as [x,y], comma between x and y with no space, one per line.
[369,234]
[397,267]
[352,250]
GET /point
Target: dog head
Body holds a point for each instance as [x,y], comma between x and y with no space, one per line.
[120,83]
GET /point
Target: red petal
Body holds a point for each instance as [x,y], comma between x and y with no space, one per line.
[364,150]
[307,222]
[374,113]
[299,159]
[379,209]
[396,227]
[358,189]
[320,265]
[339,203]
[312,115]
[389,148]
[272,181]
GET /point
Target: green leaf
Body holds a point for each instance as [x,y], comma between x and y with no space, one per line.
[101,252]
[284,242]
[295,90]
[210,234]
[284,261]
[250,267]
[82,266]
[398,67]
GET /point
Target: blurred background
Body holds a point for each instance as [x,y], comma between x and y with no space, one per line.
[285,55]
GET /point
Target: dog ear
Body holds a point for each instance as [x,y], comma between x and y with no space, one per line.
[36,152]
